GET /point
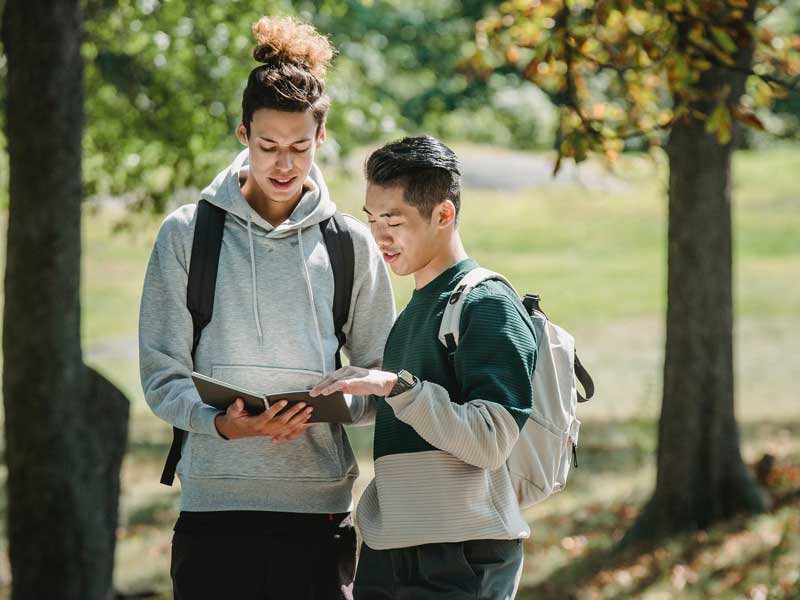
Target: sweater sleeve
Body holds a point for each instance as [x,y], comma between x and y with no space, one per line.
[372,314]
[165,335]
[494,365]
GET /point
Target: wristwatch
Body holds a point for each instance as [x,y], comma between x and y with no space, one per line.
[405,381]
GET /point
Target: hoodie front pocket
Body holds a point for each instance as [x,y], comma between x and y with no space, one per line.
[314,455]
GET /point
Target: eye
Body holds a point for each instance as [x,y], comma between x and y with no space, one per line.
[270,149]
[394,224]
[301,150]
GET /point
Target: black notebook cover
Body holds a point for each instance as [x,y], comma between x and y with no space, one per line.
[219,394]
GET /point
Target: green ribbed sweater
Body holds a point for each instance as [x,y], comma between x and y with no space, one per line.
[440,448]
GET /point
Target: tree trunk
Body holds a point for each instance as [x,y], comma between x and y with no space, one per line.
[701,477]
[65,425]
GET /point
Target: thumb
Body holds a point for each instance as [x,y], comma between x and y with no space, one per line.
[237,407]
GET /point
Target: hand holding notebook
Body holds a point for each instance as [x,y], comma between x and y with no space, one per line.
[219,394]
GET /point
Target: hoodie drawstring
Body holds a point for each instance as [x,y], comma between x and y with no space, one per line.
[311,298]
[253,275]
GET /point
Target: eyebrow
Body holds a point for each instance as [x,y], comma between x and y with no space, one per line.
[266,139]
[392,213]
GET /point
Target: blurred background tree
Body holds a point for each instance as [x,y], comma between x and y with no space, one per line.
[680,74]
[65,425]
[173,74]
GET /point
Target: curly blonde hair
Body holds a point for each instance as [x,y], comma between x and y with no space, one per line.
[287,40]
[292,79]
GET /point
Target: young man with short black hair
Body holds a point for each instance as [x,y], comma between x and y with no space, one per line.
[440,519]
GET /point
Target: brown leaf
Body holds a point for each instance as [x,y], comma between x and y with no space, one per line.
[748,118]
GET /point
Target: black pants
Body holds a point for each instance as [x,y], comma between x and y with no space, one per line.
[471,570]
[302,557]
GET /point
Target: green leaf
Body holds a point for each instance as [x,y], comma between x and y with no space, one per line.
[720,123]
[723,38]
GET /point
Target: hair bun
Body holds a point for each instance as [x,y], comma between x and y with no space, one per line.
[289,41]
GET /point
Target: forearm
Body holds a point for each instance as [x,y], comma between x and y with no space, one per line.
[479,432]
[174,399]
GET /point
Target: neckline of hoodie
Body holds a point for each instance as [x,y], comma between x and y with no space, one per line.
[259,230]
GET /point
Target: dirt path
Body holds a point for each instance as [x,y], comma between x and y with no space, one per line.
[508,170]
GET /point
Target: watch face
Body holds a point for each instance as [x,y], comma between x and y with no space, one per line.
[406,377]
[405,381]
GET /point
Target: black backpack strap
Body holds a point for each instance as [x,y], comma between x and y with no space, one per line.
[451,349]
[202,283]
[339,244]
[200,290]
[582,375]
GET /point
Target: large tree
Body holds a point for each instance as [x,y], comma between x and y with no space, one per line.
[678,73]
[65,425]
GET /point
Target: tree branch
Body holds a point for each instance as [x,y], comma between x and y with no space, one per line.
[772,81]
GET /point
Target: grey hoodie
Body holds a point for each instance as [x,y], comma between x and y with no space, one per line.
[272,331]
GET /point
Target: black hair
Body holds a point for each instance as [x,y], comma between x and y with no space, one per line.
[426,169]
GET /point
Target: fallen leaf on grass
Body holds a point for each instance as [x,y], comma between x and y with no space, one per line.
[758,592]
[681,575]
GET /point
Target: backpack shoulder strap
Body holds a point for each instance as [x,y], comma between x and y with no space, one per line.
[202,284]
[585,379]
[339,243]
[451,319]
[531,303]
[200,289]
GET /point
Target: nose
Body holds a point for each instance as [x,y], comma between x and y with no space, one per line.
[381,234]
[284,161]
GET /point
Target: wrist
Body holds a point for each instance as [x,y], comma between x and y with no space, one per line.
[219,423]
[403,381]
[391,382]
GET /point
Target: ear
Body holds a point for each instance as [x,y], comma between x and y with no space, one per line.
[446,214]
[241,134]
[322,134]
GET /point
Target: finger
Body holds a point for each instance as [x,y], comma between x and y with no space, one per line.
[298,432]
[285,435]
[236,408]
[337,386]
[317,389]
[343,373]
[301,417]
[291,413]
[287,431]
[273,410]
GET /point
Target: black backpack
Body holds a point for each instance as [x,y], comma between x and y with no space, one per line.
[202,283]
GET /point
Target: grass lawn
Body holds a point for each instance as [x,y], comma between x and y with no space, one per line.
[599,261]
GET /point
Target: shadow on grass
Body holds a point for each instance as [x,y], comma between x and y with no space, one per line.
[159,512]
[687,559]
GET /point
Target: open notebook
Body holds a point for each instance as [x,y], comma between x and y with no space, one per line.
[219,394]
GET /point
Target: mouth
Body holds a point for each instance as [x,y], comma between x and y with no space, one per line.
[282,183]
[390,257]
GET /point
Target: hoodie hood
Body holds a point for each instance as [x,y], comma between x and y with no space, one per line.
[315,206]
[225,192]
